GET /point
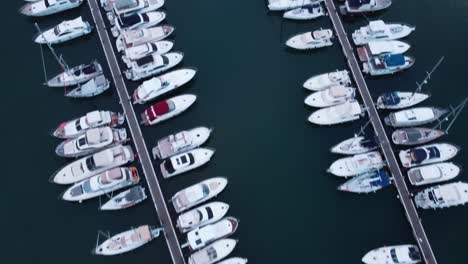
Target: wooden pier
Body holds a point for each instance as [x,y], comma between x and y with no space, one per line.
[399,180]
[142,150]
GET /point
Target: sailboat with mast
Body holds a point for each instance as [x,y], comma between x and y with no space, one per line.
[358,144]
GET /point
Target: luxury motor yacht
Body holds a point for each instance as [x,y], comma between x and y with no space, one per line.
[162,84]
[65,31]
[214,252]
[205,235]
[93,87]
[125,199]
[354,145]
[363,6]
[127,241]
[442,196]
[186,161]
[137,21]
[327,80]
[307,12]
[280,5]
[366,183]
[153,64]
[198,193]
[143,50]
[415,135]
[234,260]
[94,164]
[48,7]
[167,109]
[201,216]
[401,254]
[357,164]
[414,116]
[398,100]
[347,112]
[387,64]
[122,8]
[378,30]
[427,154]
[311,40]
[76,75]
[434,173]
[375,48]
[97,118]
[181,142]
[105,182]
[133,38]
[334,95]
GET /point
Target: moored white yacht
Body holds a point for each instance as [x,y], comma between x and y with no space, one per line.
[76,75]
[91,141]
[311,40]
[357,164]
[399,100]
[387,64]
[363,6]
[65,31]
[133,38]
[167,109]
[205,235]
[143,50]
[234,260]
[414,116]
[433,173]
[137,21]
[125,199]
[48,7]
[326,80]
[186,161]
[374,48]
[366,183]
[214,252]
[378,30]
[97,118]
[94,164]
[334,95]
[415,135]
[105,182]
[153,64]
[427,154]
[401,254]
[162,84]
[201,216]
[443,196]
[198,193]
[306,12]
[124,8]
[354,145]
[181,142]
[280,5]
[349,111]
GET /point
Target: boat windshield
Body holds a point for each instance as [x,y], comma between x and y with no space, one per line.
[81,142]
[90,164]
[209,212]
[169,167]
[87,187]
[57,31]
[394,255]
[433,152]
[212,254]
[129,21]
[78,125]
[47,4]
[206,190]
[414,254]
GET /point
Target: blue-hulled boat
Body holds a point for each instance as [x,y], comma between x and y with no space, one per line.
[387,64]
[367,182]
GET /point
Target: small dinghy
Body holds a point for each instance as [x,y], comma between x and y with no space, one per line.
[433,173]
[93,87]
[186,161]
[94,164]
[327,80]
[375,48]
[442,196]
[334,95]
[167,109]
[48,7]
[201,216]
[205,235]
[137,21]
[153,64]
[76,75]
[427,154]
[387,64]
[401,254]
[125,199]
[307,12]
[414,116]
[378,30]
[214,252]
[415,135]
[311,40]
[399,100]
[355,145]
[366,183]
[198,193]
[160,85]
[91,141]
[143,50]
[347,112]
[235,260]
[78,126]
[357,164]
[281,5]
[181,142]
[127,241]
[65,31]
[133,38]
[97,185]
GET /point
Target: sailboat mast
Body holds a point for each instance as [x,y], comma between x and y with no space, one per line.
[428,76]
[456,112]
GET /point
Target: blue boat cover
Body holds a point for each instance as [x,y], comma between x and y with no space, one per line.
[393,60]
[357,3]
[381,179]
[391,98]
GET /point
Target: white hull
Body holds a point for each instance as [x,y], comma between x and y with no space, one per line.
[305,12]
[435,173]
[125,199]
[384,32]
[357,164]
[68,30]
[140,51]
[403,254]
[196,194]
[214,252]
[443,196]
[444,151]
[181,142]
[235,260]
[138,72]
[353,146]
[310,40]
[126,241]
[38,8]
[330,97]
[338,114]
[201,216]
[200,156]
[404,100]
[281,5]
[133,38]
[151,19]
[205,235]
[181,103]
[327,80]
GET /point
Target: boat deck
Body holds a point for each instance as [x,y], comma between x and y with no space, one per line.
[148,169]
[399,180]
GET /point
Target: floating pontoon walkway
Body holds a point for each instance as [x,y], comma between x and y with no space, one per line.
[404,194]
[153,183]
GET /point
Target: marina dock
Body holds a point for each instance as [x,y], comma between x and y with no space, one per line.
[142,150]
[382,138]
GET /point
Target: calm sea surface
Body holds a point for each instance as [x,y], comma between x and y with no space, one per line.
[249,90]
